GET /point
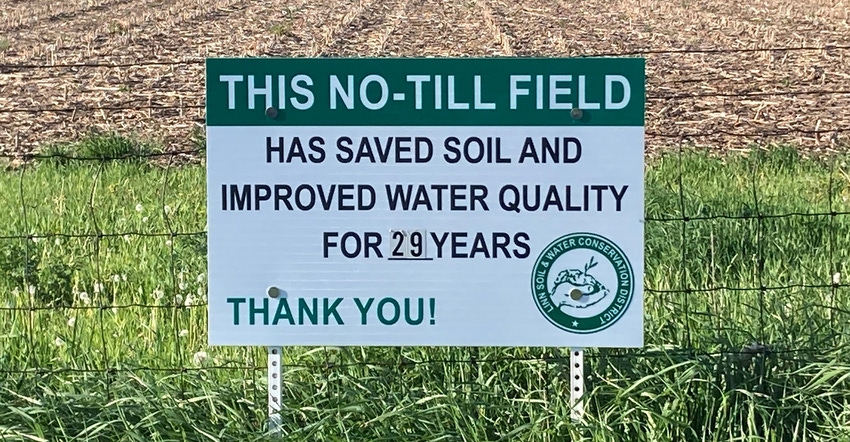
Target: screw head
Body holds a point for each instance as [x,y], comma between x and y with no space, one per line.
[576,294]
[273,292]
[271,112]
[576,113]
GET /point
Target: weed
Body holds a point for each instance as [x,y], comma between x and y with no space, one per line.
[19,261]
[284,28]
[58,153]
[198,140]
[114,146]
[281,29]
[116,28]
[55,274]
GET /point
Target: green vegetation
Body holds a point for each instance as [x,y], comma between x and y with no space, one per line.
[281,29]
[284,27]
[103,333]
[102,146]
[4,44]
[117,28]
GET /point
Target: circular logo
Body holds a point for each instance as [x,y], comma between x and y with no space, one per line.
[582,282]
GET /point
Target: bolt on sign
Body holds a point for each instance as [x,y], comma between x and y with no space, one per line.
[452,202]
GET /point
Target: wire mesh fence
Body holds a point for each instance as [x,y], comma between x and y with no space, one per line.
[102,257]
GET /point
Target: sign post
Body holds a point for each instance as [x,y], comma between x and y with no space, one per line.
[576,384]
[440,202]
[275,382]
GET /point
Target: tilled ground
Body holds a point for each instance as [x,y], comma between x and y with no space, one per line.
[709,79]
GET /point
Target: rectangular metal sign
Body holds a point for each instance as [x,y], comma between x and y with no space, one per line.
[450,202]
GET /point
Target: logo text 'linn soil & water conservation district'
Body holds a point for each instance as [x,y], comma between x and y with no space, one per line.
[582,283]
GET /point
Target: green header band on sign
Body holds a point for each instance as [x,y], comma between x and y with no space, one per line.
[425,91]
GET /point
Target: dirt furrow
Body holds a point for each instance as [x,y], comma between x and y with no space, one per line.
[705,97]
[72,40]
[259,29]
[364,16]
[544,28]
[773,22]
[30,15]
[680,85]
[154,109]
[161,101]
[171,32]
[496,28]
[367,34]
[756,25]
[443,28]
[168,34]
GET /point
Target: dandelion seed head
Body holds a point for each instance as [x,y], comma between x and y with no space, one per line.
[199,357]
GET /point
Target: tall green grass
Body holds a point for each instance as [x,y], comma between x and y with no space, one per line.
[102,322]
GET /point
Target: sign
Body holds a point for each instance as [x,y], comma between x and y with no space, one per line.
[447,202]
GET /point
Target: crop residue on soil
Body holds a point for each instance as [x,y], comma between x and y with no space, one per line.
[726,99]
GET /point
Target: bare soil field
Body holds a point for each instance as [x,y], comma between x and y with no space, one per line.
[720,73]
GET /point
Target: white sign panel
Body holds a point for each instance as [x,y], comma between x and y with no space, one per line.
[369,231]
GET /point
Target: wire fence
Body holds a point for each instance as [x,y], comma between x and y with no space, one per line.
[774,242]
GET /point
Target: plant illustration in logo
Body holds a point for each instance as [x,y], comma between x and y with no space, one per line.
[575,288]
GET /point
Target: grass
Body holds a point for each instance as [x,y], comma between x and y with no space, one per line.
[102,276]
[4,44]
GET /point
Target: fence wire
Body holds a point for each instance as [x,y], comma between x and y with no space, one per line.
[692,315]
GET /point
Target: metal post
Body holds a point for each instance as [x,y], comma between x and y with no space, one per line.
[576,384]
[275,403]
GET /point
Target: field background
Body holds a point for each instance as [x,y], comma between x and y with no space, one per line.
[102,232]
[707,76]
